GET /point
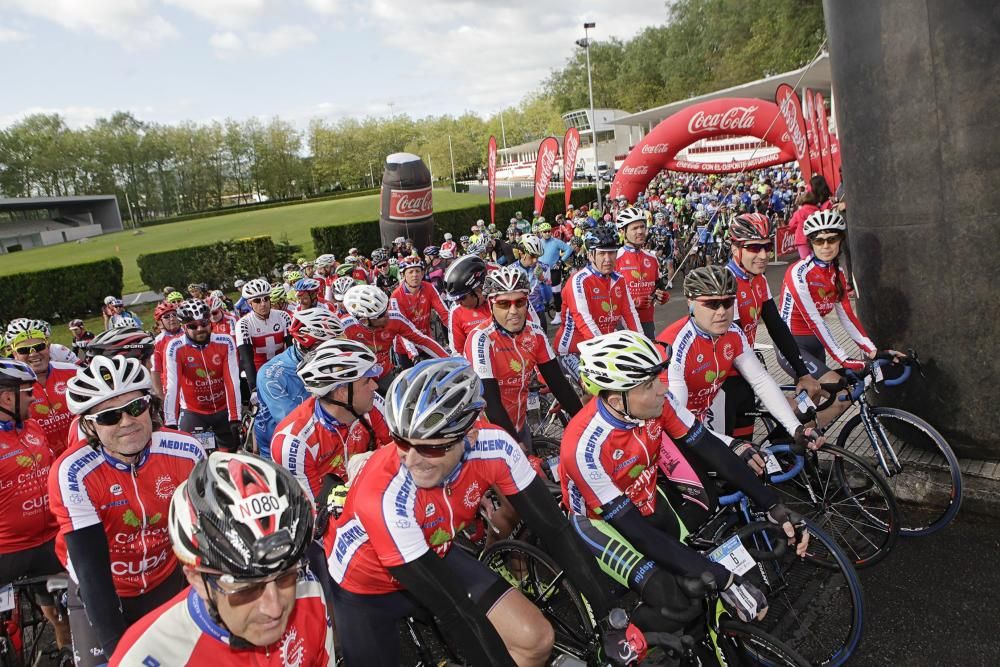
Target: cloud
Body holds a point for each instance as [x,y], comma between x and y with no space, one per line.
[324,6]
[133,23]
[226,44]
[10,35]
[227,13]
[229,44]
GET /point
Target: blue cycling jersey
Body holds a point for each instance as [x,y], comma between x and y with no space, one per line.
[241,307]
[704,235]
[553,250]
[279,391]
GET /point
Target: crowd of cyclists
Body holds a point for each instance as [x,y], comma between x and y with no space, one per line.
[284,479]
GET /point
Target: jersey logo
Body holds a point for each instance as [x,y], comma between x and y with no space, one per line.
[116,489]
[292,649]
[618,453]
[472,495]
[728,351]
[165,487]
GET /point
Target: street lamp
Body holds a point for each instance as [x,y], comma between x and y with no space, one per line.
[585,44]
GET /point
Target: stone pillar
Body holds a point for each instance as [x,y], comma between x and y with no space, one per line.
[917,85]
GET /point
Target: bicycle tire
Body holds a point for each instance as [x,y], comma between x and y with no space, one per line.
[8,655]
[847,498]
[545,585]
[756,647]
[928,483]
[816,610]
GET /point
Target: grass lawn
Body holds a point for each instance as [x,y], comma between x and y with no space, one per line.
[293,221]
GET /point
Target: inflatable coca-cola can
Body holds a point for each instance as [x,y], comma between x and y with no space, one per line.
[407,205]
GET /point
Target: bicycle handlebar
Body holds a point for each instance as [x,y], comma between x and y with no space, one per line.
[777,478]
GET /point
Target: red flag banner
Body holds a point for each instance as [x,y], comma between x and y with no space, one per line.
[835,156]
[546,161]
[815,162]
[491,175]
[824,139]
[571,142]
[791,112]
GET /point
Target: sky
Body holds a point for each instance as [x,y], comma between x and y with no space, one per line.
[173,60]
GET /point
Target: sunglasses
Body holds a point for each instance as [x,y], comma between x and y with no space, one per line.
[25,350]
[825,240]
[756,248]
[507,304]
[245,592]
[428,451]
[715,304]
[261,299]
[111,417]
[198,324]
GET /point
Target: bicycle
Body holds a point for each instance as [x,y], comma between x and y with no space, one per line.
[25,634]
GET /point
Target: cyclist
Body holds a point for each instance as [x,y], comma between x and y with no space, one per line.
[81,336]
[30,345]
[279,389]
[391,551]
[537,275]
[708,347]
[597,300]
[203,380]
[223,322]
[555,252]
[325,273]
[27,527]
[165,316]
[111,498]
[508,350]
[337,291]
[415,298]
[384,278]
[343,417]
[463,285]
[639,267]
[307,294]
[378,324]
[57,352]
[261,333]
[240,526]
[608,472]
[279,299]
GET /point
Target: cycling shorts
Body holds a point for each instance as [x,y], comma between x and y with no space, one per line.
[38,561]
[813,354]
[217,423]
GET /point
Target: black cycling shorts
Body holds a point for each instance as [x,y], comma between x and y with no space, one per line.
[813,354]
[38,561]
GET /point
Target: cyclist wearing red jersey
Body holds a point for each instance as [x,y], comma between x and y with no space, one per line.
[463,285]
[639,267]
[203,382]
[223,322]
[708,348]
[377,325]
[415,298]
[27,527]
[337,291]
[165,316]
[307,294]
[508,350]
[111,500]
[261,333]
[240,526]
[596,299]
[325,274]
[48,405]
[391,551]
[342,418]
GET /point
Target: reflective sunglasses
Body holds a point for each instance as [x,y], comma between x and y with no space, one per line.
[507,304]
[715,304]
[756,248]
[113,416]
[198,324]
[25,350]
[825,240]
[244,591]
[428,451]
[261,299]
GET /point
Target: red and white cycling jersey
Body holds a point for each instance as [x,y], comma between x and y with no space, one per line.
[641,270]
[808,294]
[388,521]
[130,502]
[510,360]
[182,632]
[594,304]
[417,306]
[160,348]
[752,292]
[311,444]
[603,457]
[48,405]
[380,341]
[25,458]
[226,325]
[461,322]
[265,336]
[201,378]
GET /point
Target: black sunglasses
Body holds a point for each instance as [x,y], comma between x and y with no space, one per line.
[136,408]
[427,451]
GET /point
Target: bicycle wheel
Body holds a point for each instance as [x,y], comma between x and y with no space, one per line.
[541,580]
[747,644]
[917,462]
[844,496]
[816,610]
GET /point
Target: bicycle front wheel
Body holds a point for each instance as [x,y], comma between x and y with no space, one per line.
[746,644]
[915,460]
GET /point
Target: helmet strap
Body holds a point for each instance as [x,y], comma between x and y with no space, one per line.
[235,641]
[16,414]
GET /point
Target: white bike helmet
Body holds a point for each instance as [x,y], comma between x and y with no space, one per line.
[505,279]
[444,253]
[366,301]
[438,399]
[337,362]
[619,361]
[627,216]
[341,285]
[103,379]
[256,288]
[123,322]
[325,260]
[532,245]
[824,221]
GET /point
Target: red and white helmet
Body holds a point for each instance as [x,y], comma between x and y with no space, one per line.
[315,325]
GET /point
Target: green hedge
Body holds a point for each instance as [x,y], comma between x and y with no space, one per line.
[60,294]
[213,212]
[365,236]
[215,264]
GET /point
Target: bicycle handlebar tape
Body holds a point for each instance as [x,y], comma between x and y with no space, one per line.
[911,108]
[407,204]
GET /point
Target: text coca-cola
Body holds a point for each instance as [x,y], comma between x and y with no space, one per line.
[654,149]
[736,118]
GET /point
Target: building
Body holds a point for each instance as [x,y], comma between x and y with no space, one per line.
[31,222]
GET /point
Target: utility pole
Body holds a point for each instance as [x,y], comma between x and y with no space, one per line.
[585,43]
[454,183]
[503,135]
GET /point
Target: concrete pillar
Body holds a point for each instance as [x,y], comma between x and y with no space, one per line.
[918,108]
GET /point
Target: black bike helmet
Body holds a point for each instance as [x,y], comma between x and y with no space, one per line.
[466,274]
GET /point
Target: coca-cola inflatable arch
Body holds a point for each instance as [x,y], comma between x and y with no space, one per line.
[739,116]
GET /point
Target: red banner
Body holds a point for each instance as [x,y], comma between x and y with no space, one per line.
[491,175]
[824,139]
[784,240]
[835,156]
[815,161]
[547,152]
[791,112]
[571,142]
